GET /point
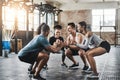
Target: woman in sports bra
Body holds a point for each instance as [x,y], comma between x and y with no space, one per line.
[100,46]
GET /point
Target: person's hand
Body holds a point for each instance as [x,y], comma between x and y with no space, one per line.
[58,42]
[64,44]
[55,44]
[73,43]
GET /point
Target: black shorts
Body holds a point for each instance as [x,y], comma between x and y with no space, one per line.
[29,57]
[74,52]
[86,49]
[105,45]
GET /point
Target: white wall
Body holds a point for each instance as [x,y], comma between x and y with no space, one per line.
[39,1]
[118,22]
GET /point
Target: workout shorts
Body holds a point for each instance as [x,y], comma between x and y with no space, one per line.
[29,57]
[105,45]
[74,52]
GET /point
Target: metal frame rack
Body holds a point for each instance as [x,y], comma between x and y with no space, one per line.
[117,35]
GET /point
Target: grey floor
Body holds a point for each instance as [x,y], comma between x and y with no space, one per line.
[108,66]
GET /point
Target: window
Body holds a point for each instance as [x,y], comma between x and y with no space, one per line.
[9,15]
[9,18]
[22,20]
[36,20]
[103,17]
[51,20]
[31,22]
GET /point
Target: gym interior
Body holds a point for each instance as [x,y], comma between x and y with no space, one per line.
[19,20]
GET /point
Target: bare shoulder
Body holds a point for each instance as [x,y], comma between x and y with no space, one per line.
[79,35]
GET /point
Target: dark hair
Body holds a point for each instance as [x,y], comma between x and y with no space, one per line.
[83,24]
[43,27]
[58,27]
[71,24]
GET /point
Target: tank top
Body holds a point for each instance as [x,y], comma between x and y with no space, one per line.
[95,40]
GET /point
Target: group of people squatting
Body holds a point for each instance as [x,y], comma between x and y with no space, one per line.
[80,41]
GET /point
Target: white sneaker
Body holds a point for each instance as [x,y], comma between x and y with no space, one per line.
[93,76]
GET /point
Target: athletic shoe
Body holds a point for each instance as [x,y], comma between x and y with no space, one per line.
[87,71]
[32,72]
[38,77]
[74,65]
[30,67]
[63,64]
[85,67]
[93,76]
[45,67]
[90,69]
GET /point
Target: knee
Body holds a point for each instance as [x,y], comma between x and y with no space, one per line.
[68,52]
[46,56]
[81,53]
[43,56]
[89,54]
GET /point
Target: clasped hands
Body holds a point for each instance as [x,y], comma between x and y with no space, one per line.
[61,44]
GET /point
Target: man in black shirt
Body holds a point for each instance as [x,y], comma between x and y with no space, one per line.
[56,38]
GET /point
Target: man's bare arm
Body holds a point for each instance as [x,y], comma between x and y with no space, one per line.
[54,48]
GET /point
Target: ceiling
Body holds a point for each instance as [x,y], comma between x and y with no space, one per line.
[81,4]
[76,1]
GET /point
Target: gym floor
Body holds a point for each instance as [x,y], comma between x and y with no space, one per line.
[108,66]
